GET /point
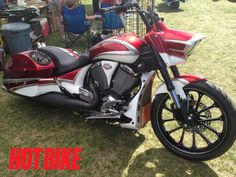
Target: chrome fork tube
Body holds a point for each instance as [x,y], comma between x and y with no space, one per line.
[175,98]
[181,107]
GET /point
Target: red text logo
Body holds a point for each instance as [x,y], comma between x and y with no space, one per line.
[50,158]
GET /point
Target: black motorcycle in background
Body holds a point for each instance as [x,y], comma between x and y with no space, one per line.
[173,4]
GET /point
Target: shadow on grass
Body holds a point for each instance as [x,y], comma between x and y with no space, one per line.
[228,0]
[162,7]
[160,162]
[107,149]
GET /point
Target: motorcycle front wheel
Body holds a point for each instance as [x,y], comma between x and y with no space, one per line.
[211,129]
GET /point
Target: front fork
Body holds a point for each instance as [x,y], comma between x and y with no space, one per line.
[180,106]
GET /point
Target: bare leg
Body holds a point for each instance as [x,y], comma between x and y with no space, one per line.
[60,27]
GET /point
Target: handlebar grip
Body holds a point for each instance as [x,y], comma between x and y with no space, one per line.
[122,8]
[107,9]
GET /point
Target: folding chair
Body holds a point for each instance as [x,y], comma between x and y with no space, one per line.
[111,20]
[75,24]
[112,24]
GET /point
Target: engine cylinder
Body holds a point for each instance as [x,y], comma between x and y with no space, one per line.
[124,81]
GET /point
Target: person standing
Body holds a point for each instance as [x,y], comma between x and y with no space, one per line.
[55,6]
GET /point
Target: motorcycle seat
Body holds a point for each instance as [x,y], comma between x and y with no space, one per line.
[64,60]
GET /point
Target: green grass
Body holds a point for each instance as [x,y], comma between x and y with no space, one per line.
[109,150]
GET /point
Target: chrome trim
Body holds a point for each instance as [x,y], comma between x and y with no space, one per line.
[25,80]
[66,80]
[51,79]
[19,80]
[31,85]
[175,98]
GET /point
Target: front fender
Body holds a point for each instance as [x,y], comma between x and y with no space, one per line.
[179,83]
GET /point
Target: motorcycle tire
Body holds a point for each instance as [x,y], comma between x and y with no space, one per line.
[175,5]
[211,131]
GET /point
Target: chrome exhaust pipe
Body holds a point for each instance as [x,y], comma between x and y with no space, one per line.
[59,100]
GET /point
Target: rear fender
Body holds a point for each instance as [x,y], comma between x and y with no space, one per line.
[179,83]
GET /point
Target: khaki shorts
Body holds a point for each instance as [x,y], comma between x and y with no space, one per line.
[55,10]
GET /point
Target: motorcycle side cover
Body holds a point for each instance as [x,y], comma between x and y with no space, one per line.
[24,73]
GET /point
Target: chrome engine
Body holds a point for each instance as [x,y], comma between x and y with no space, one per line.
[116,83]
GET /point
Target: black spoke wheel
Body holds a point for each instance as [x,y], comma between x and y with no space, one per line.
[210,130]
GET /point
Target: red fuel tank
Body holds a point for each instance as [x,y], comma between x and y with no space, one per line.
[123,48]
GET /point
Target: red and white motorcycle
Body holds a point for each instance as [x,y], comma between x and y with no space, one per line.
[191,117]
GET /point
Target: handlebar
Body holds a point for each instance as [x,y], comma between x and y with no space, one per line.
[108,9]
[120,8]
[149,18]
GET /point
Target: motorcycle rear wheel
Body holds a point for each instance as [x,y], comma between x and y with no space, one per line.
[211,131]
